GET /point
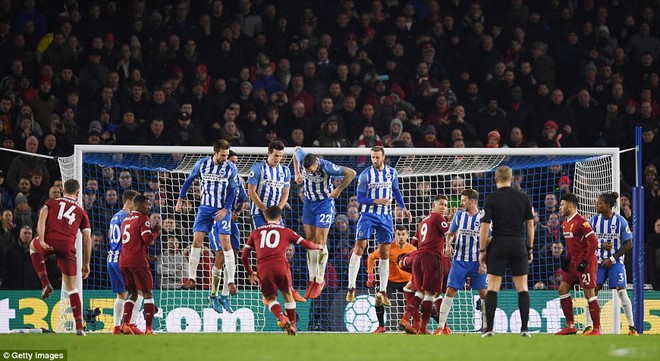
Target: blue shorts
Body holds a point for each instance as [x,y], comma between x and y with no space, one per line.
[220,228]
[319,214]
[116,278]
[616,275]
[382,224]
[205,219]
[259,220]
[235,236]
[459,272]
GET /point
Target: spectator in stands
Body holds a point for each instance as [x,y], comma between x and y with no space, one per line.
[23,164]
[17,271]
[171,264]
[6,226]
[332,135]
[44,104]
[430,139]
[156,133]
[184,133]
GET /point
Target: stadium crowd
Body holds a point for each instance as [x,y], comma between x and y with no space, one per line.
[327,73]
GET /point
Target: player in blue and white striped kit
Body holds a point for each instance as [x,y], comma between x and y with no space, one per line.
[376,186]
[464,228]
[315,175]
[116,278]
[218,303]
[218,182]
[269,183]
[614,241]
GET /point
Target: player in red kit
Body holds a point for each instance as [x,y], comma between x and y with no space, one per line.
[137,235]
[427,273]
[59,222]
[580,265]
[270,241]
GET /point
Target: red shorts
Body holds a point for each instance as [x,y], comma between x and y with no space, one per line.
[587,279]
[138,278]
[446,266]
[274,276]
[427,272]
[65,252]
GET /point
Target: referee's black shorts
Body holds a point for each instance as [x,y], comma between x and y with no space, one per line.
[395,286]
[505,252]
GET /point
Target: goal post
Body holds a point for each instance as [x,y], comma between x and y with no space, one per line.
[160,171]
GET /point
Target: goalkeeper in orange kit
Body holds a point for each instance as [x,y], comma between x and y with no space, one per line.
[397,278]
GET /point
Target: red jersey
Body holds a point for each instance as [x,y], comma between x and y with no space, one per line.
[271,241]
[136,237]
[580,239]
[65,217]
[430,235]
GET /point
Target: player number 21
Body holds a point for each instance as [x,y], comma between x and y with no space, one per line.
[269,239]
[586,278]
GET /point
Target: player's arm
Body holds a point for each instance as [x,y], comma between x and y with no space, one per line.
[186,185]
[529,225]
[285,197]
[87,250]
[242,199]
[399,197]
[297,153]
[346,172]
[592,245]
[252,182]
[41,228]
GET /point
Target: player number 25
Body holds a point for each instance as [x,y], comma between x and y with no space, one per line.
[269,239]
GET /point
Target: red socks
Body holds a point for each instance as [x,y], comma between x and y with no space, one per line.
[40,266]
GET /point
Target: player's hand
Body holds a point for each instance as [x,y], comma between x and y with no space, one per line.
[156,228]
[382,201]
[607,246]
[449,251]
[335,193]
[221,214]
[482,263]
[371,279]
[254,279]
[234,216]
[152,258]
[565,264]
[85,270]
[44,245]
[530,257]
[299,179]
[607,263]
[407,214]
[178,205]
[581,266]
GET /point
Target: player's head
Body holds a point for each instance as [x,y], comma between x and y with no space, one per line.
[233,157]
[503,176]
[71,188]
[377,156]
[568,204]
[273,214]
[275,152]
[127,198]
[401,235]
[142,204]
[606,201]
[440,204]
[469,198]
[221,150]
[310,163]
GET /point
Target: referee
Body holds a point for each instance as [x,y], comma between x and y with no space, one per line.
[508,209]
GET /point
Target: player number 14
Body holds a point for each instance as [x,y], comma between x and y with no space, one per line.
[68,214]
[269,239]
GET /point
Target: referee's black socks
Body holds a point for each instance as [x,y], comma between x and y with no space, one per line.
[491,306]
[380,314]
[523,306]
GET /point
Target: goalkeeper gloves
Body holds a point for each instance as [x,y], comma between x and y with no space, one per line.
[581,266]
[371,279]
[565,264]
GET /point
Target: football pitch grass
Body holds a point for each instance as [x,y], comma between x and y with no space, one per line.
[317,347]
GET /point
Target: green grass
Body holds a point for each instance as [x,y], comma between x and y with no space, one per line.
[316,347]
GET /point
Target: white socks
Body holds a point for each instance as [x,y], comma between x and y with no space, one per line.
[136,309]
[230,265]
[312,263]
[193,262]
[322,262]
[225,284]
[383,273]
[353,268]
[483,314]
[627,306]
[443,312]
[215,283]
[118,311]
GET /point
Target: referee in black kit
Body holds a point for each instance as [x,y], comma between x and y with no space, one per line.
[508,209]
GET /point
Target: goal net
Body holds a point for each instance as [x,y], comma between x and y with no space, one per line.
[159,173]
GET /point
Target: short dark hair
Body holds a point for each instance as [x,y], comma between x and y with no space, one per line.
[440,197]
[232,153]
[378,148]
[139,199]
[275,145]
[470,193]
[570,197]
[220,144]
[128,195]
[309,160]
[71,186]
[273,213]
[400,228]
[609,198]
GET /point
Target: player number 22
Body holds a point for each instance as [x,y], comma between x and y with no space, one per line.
[68,214]
[270,239]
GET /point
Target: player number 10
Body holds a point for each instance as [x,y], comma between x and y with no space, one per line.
[269,239]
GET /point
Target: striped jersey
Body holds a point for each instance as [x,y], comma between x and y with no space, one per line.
[615,230]
[377,184]
[270,183]
[241,194]
[318,186]
[465,228]
[214,180]
[114,235]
